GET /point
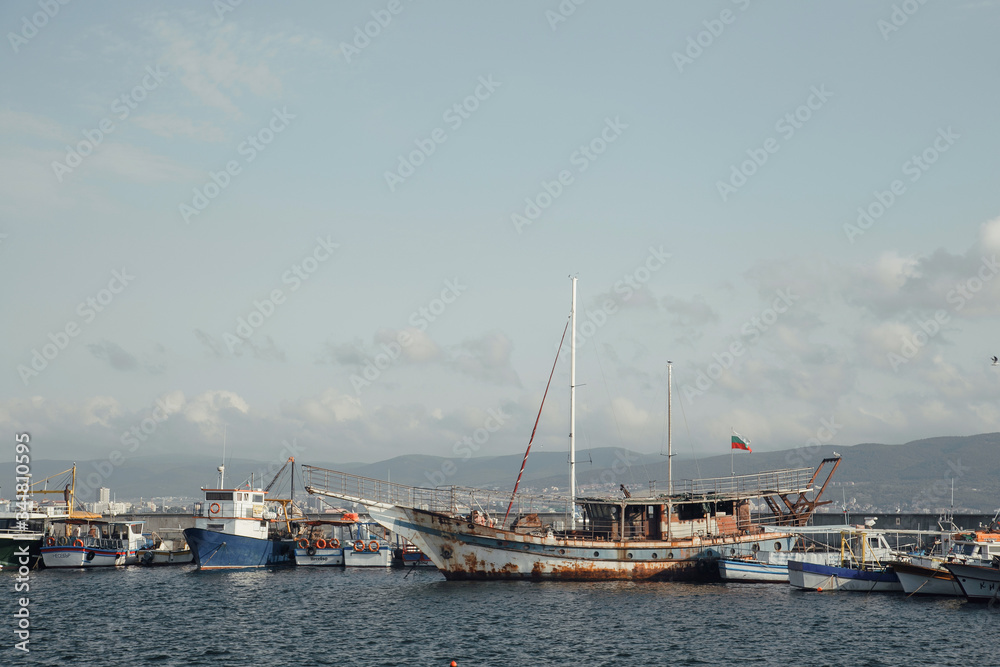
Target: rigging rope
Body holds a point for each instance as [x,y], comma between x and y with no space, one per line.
[535,427]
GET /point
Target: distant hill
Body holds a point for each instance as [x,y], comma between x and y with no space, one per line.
[915,476]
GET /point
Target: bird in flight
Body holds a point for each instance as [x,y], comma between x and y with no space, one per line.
[996,362]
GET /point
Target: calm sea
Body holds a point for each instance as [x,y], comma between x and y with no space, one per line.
[309,616]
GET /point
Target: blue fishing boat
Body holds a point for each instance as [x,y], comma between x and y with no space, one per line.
[233,530]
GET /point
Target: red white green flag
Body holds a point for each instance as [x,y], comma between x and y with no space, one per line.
[739,443]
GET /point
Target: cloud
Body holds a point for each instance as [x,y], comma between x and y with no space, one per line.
[19,123]
[217,67]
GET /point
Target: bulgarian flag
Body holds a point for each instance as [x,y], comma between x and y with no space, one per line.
[740,443]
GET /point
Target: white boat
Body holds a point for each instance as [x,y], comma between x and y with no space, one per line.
[979,583]
[771,567]
[927,575]
[369,547]
[86,543]
[318,542]
[169,551]
[863,567]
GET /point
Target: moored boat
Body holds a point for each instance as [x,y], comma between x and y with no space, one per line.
[979,583]
[233,531]
[86,543]
[862,567]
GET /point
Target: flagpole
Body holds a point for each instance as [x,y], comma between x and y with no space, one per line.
[732,457]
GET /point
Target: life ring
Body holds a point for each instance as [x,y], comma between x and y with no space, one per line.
[334,543]
[63,541]
[373,546]
[359,546]
[311,551]
[51,541]
[320,543]
[303,543]
[214,508]
[77,542]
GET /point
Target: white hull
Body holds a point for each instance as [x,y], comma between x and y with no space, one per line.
[979,583]
[919,580]
[319,557]
[771,567]
[380,558]
[82,557]
[161,557]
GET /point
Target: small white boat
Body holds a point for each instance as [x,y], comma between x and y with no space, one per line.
[161,551]
[926,575]
[979,583]
[85,543]
[369,547]
[772,567]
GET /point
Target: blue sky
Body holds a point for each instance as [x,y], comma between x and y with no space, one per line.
[715,156]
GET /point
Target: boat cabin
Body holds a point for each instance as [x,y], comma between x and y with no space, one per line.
[234,511]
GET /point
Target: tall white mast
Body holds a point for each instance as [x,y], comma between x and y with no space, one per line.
[670,429]
[572,409]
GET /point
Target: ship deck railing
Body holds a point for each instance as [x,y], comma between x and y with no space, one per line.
[770,482]
[445,499]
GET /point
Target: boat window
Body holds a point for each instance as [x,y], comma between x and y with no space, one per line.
[258,497]
[218,495]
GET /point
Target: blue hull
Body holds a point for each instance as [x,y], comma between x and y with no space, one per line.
[213,550]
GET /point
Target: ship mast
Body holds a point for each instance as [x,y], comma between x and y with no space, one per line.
[670,429]
[572,409]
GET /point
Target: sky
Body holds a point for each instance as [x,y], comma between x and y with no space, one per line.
[347,230]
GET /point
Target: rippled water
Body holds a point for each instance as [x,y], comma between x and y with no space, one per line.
[310,616]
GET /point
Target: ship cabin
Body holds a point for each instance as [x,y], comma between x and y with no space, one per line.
[658,519]
[233,511]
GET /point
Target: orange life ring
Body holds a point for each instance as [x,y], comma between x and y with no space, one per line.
[303,543]
[214,508]
[77,542]
[51,541]
[320,543]
[359,546]
[334,543]
[373,546]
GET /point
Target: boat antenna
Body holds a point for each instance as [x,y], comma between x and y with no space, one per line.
[222,468]
[572,409]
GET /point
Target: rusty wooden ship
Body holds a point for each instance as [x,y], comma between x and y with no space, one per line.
[677,537]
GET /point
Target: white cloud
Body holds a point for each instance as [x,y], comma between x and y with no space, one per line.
[173,125]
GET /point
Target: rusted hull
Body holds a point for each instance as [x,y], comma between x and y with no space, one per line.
[464,551]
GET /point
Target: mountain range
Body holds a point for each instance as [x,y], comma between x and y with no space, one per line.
[915,476]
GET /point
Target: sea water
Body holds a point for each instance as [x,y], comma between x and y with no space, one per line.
[331,616]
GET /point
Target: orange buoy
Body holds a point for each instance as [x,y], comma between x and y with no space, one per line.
[819,589]
[454,664]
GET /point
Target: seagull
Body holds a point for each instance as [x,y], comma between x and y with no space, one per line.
[996,362]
